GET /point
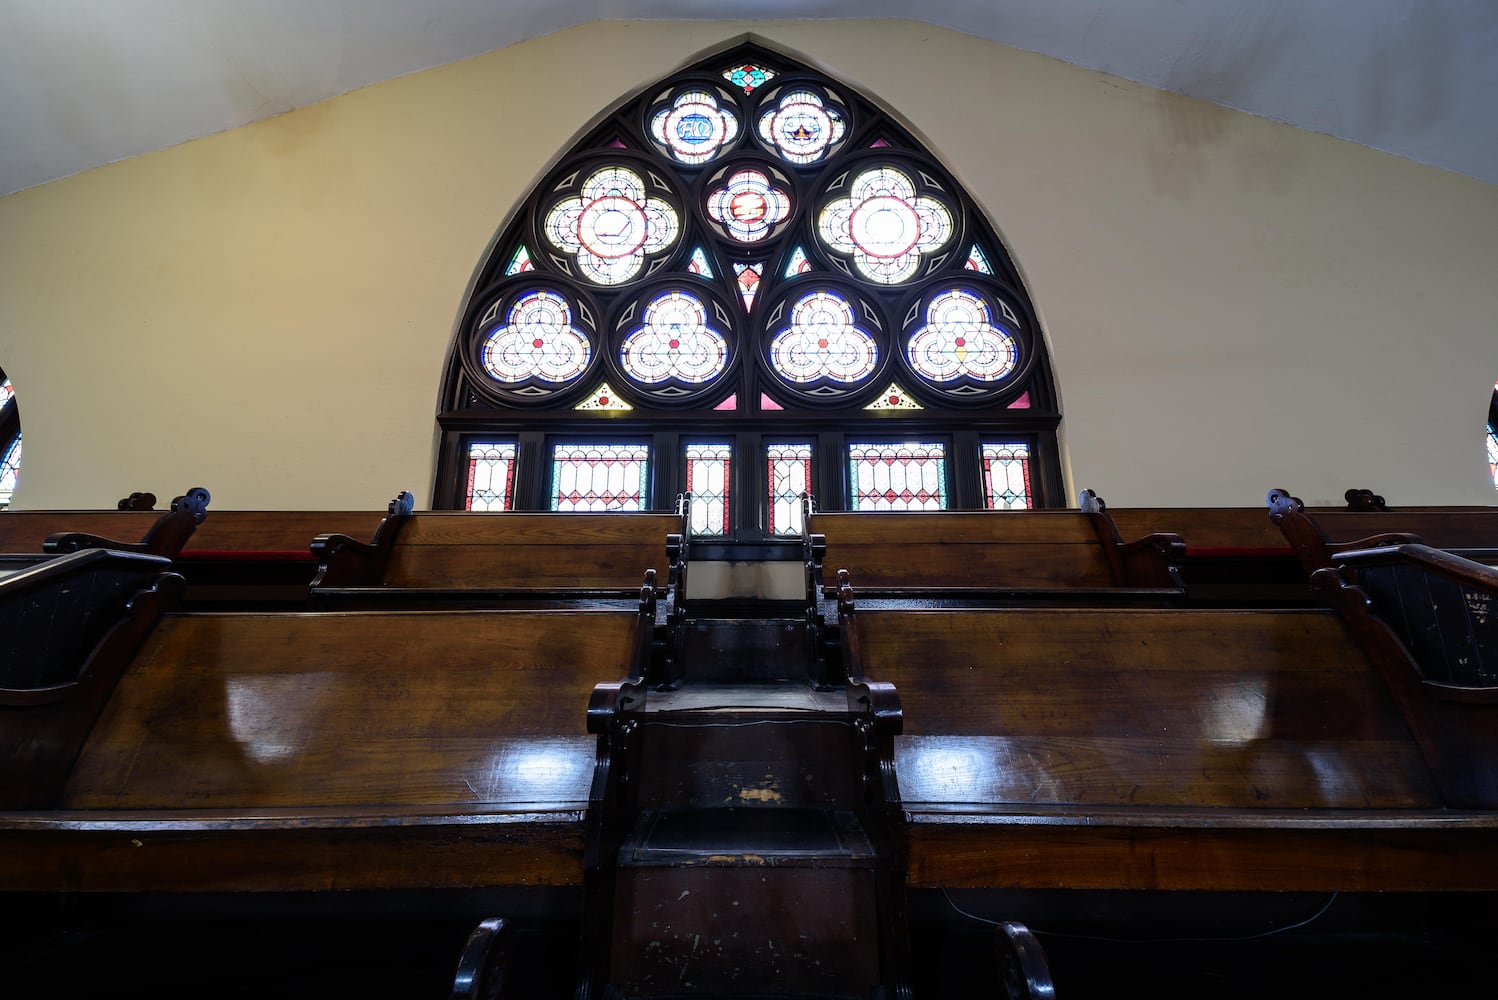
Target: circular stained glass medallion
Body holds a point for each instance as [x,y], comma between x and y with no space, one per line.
[884,226]
[801,126]
[749,205]
[694,127]
[612,225]
[961,340]
[823,343]
[536,343]
[674,343]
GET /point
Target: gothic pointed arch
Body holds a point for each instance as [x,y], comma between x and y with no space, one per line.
[748,282]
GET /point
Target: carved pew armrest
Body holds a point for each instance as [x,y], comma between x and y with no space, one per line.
[1384,540]
[345,561]
[166,536]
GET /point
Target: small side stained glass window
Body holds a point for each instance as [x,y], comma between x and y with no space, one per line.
[789,479]
[905,476]
[1493,454]
[708,477]
[7,393]
[10,472]
[1006,476]
[521,262]
[491,476]
[613,476]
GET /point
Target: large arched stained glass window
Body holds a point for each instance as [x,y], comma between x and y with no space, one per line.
[749,282]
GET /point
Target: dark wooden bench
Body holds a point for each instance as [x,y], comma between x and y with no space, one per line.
[1131,748]
[969,557]
[467,559]
[325,751]
[1317,536]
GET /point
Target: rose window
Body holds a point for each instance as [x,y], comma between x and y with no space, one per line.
[538,341]
[801,127]
[694,129]
[674,342]
[823,342]
[748,206]
[612,226]
[960,339]
[884,226]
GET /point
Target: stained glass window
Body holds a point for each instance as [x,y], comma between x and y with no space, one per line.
[538,341]
[520,262]
[798,264]
[612,226]
[823,343]
[748,76]
[7,393]
[491,476]
[694,128]
[749,277]
[894,398]
[789,479]
[801,127]
[1006,476]
[603,398]
[884,225]
[10,471]
[748,205]
[960,340]
[674,342]
[753,248]
[1493,454]
[600,477]
[708,478]
[907,476]
[699,264]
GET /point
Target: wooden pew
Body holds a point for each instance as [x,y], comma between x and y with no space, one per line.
[283,752]
[455,558]
[1007,557]
[1130,748]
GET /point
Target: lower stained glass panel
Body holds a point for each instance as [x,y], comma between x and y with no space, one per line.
[789,479]
[600,477]
[904,476]
[10,472]
[708,469]
[491,476]
[1006,476]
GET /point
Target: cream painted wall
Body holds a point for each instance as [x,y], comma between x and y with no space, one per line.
[1231,304]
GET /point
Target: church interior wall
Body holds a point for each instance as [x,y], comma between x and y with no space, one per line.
[1231,304]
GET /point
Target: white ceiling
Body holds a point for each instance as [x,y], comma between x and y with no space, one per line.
[86,82]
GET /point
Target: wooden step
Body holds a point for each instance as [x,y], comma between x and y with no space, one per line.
[764,837]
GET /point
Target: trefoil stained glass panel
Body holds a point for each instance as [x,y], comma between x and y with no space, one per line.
[674,342]
[1006,476]
[789,479]
[905,476]
[960,339]
[708,477]
[823,342]
[491,476]
[884,225]
[600,477]
[612,226]
[538,341]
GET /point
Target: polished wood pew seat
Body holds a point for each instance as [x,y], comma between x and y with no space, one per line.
[334,751]
[459,558]
[1046,555]
[1160,749]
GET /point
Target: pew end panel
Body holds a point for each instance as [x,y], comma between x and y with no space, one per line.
[68,628]
[166,537]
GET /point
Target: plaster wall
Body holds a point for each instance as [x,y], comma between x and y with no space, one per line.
[1231,304]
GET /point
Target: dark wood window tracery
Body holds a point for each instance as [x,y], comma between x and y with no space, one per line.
[752,255]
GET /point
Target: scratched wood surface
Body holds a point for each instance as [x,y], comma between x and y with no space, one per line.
[1242,710]
[1022,549]
[265,711]
[530,551]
